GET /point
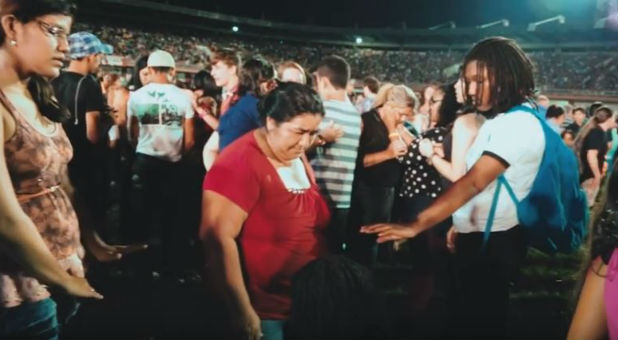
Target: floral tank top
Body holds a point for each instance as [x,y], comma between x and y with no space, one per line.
[35,161]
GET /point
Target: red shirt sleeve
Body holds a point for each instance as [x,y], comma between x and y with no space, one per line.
[234,178]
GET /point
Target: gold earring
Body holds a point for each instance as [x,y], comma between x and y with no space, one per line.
[13,43]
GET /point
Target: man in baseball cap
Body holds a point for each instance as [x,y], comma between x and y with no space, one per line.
[160,123]
[83,44]
[78,89]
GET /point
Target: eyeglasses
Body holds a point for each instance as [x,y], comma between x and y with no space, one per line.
[55,31]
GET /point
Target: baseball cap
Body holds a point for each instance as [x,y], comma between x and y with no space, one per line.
[83,44]
[160,58]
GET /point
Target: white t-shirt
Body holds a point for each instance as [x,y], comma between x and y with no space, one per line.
[518,139]
[160,110]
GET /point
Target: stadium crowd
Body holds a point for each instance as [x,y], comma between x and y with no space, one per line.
[586,70]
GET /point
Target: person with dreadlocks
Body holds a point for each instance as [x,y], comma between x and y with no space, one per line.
[498,77]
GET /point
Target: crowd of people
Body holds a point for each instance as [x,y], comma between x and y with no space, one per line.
[293,191]
[584,70]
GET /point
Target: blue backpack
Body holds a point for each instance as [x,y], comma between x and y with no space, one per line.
[555,212]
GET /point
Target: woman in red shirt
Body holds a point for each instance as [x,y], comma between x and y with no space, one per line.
[263,212]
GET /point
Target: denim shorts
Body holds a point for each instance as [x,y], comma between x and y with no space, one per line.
[35,320]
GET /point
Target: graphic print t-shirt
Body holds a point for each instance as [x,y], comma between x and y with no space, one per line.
[160,110]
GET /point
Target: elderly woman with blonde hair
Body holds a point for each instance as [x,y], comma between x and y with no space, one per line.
[382,141]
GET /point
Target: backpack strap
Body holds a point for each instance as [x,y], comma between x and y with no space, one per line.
[492,213]
[509,188]
[494,205]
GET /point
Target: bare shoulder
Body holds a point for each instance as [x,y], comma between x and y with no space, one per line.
[7,124]
[467,122]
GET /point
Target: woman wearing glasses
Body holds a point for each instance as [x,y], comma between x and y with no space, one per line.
[39,234]
[262,211]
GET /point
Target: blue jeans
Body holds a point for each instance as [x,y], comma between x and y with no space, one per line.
[35,320]
[272,329]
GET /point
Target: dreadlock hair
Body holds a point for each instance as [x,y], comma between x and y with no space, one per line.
[509,70]
[334,298]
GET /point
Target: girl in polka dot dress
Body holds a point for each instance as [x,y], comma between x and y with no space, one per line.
[419,187]
[421,182]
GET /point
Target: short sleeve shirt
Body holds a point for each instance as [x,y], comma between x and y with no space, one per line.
[284,230]
[595,140]
[517,140]
[80,94]
[160,110]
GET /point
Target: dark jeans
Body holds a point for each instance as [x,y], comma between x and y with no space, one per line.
[337,230]
[482,277]
[91,183]
[370,205]
[35,320]
[431,286]
[157,187]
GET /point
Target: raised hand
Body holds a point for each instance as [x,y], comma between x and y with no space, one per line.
[331,132]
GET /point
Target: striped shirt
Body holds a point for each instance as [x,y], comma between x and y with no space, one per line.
[334,163]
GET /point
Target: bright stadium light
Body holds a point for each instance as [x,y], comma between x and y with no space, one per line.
[359,40]
[450,24]
[503,22]
[235,28]
[559,18]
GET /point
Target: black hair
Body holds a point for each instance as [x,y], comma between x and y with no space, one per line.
[447,113]
[289,100]
[28,10]
[509,70]
[604,236]
[253,72]
[39,87]
[554,111]
[567,131]
[593,108]
[372,83]
[140,64]
[333,298]
[336,69]
[579,108]
[204,81]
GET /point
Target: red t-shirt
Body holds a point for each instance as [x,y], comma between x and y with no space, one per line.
[283,231]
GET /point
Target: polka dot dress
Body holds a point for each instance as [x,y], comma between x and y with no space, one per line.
[419,177]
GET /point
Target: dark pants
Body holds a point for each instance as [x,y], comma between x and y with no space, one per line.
[157,187]
[36,320]
[91,183]
[482,277]
[431,282]
[370,205]
[337,230]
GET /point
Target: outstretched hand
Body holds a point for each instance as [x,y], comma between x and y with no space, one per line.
[389,232]
[79,287]
[104,252]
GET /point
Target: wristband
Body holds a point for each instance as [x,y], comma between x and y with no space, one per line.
[393,134]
